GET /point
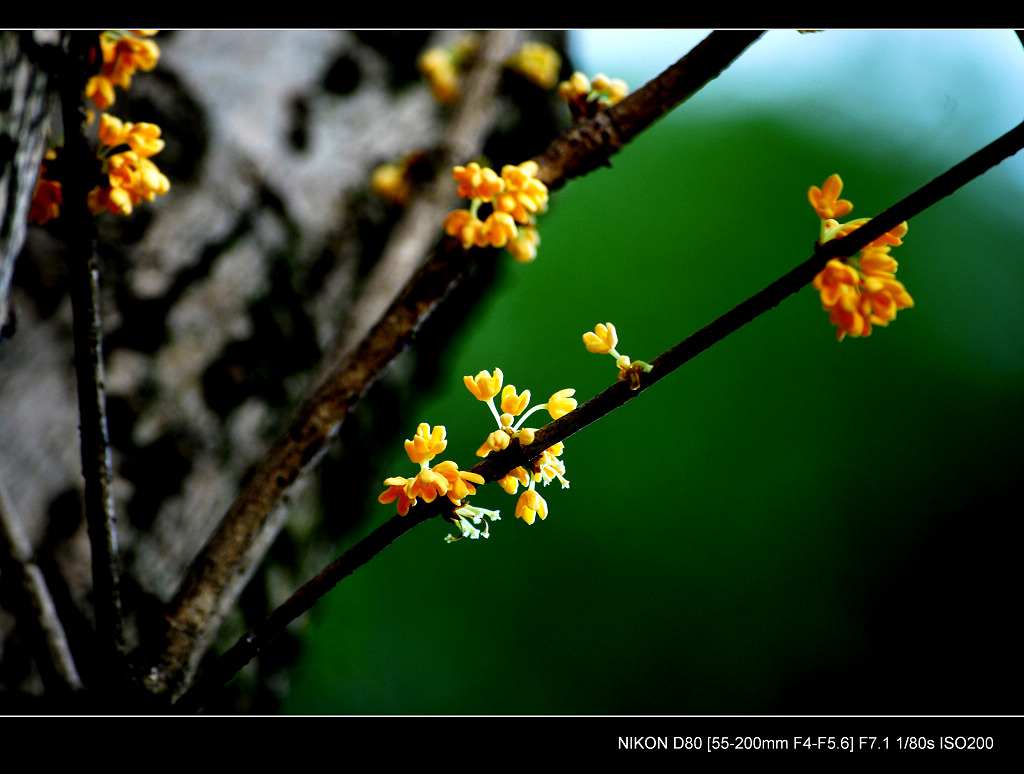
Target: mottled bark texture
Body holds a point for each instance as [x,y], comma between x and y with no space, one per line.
[221,300]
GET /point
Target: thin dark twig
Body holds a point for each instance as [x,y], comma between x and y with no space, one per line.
[497,465]
[53,657]
[85,301]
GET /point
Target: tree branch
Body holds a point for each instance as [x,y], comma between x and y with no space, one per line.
[497,465]
[80,227]
[54,659]
[589,144]
[245,533]
[242,538]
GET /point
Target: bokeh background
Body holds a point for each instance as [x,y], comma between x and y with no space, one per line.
[787,524]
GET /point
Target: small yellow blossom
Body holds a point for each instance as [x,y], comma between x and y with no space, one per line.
[442,66]
[123,53]
[438,68]
[483,385]
[510,483]
[426,444]
[396,486]
[826,201]
[524,247]
[585,96]
[476,182]
[133,179]
[602,340]
[524,195]
[444,479]
[514,404]
[142,138]
[496,441]
[389,182]
[561,403]
[531,505]
[460,482]
[496,231]
[538,63]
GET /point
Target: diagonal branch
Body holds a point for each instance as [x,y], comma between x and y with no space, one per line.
[589,144]
[53,656]
[242,538]
[498,464]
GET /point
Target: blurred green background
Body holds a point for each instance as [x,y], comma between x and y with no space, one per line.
[787,524]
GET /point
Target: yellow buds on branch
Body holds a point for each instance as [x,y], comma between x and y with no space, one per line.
[602,341]
[585,96]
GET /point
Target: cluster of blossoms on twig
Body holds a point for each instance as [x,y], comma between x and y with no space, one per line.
[515,198]
[442,480]
[444,66]
[48,195]
[602,341]
[130,176]
[861,290]
[545,468]
[585,96]
[446,480]
[124,52]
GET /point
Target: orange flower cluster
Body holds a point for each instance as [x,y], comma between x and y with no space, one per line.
[132,176]
[442,480]
[859,291]
[47,197]
[515,197]
[124,52]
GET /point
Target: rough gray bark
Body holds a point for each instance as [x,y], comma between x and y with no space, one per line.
[220,300]
[25,107]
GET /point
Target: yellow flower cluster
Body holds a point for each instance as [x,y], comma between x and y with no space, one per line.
[538,63]
[515,198]
[602,341]
[585,96]
[124,52]
[446,480]
[545,468]
[442,480]
[443,66]
[861,290]
[132,177]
